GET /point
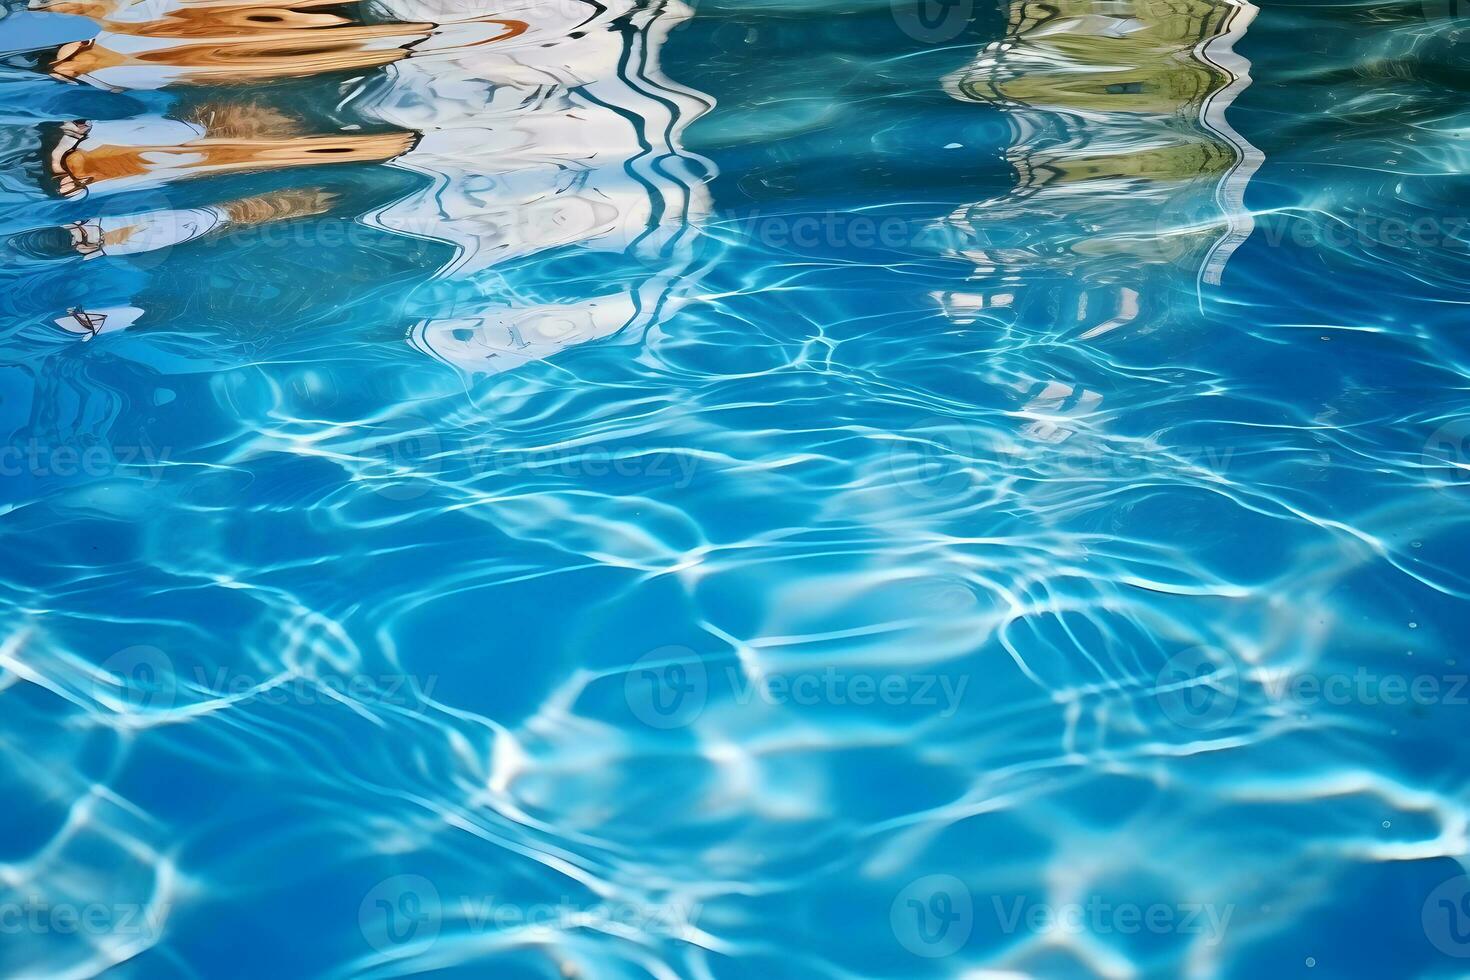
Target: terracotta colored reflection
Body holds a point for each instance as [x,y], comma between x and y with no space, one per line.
[217,43]
[215,139]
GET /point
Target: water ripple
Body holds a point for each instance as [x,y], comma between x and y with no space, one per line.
[585,489]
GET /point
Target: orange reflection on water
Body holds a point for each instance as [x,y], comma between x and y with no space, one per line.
[224,138]
[150,45]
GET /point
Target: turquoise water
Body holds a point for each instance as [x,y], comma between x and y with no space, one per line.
[765,489]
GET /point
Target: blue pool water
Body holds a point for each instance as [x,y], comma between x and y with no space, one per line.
[755,488]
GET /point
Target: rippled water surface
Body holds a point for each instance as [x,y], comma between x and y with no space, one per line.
[763,488]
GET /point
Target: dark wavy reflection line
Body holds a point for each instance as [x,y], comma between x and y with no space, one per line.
[564,137]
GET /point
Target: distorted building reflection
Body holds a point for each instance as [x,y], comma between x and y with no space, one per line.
[209,106]
[1129,179]
[152,44]
[563,139]
[1127,171]
[536,132]
[156,44]
[215,138]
